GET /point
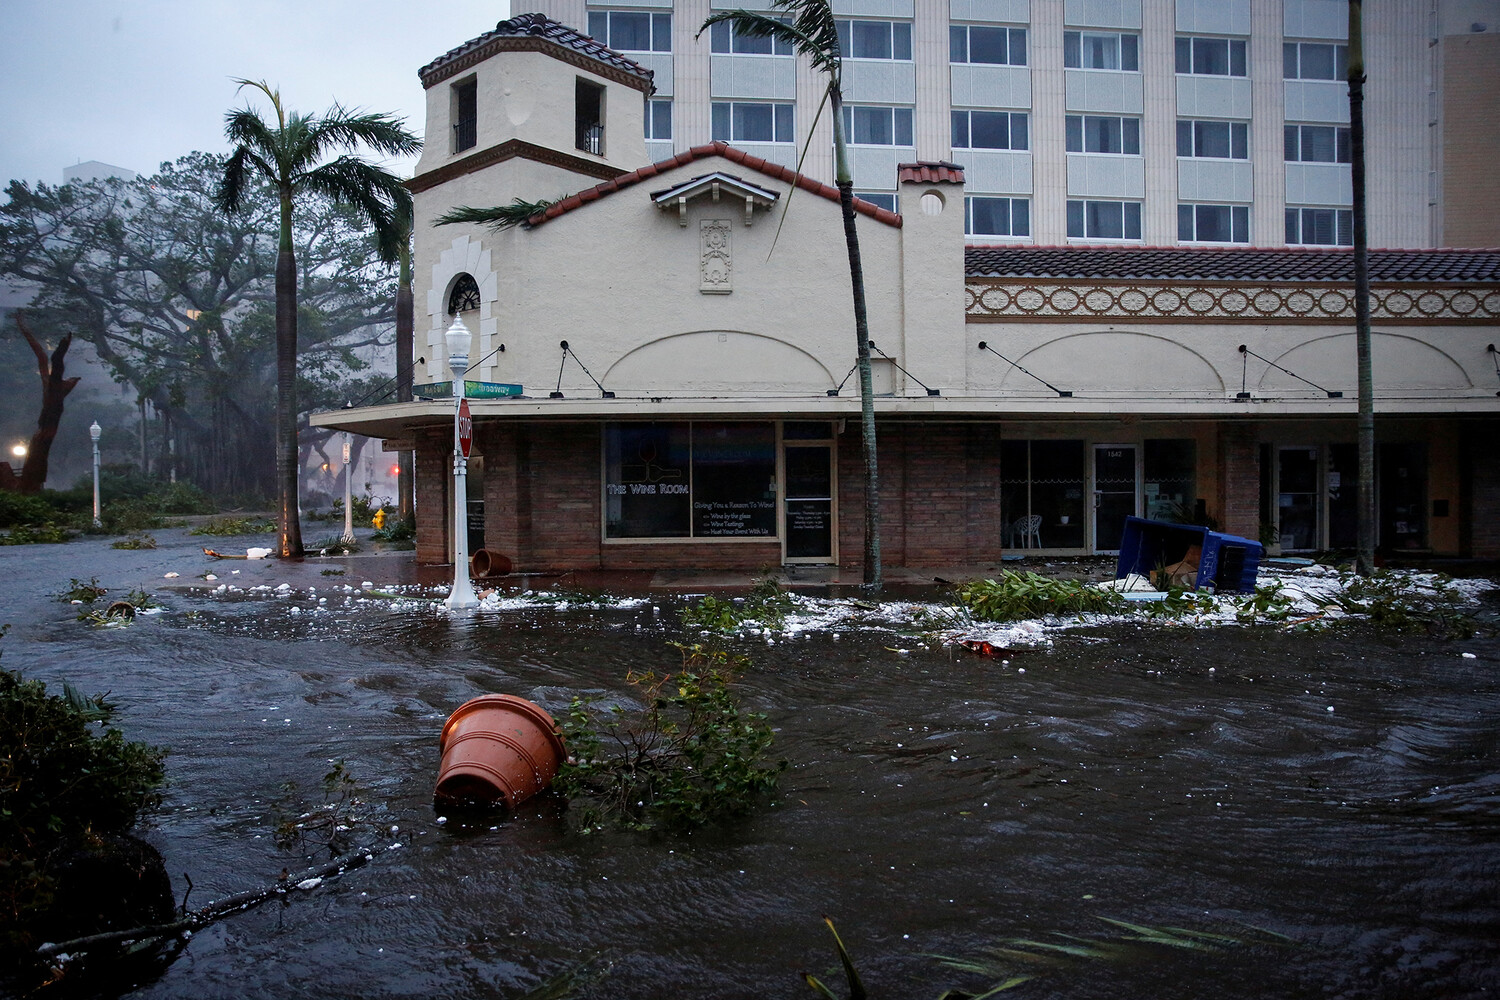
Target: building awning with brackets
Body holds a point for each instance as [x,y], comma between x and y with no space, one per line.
[717,186]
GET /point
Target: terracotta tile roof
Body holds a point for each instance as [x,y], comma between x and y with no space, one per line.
[729,153]
[1230,264]
[533,26]
[929,172]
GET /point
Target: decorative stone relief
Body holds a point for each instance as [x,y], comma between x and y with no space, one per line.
[714,264]
[1040,299]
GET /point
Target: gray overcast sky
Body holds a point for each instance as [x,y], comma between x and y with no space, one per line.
[137,82]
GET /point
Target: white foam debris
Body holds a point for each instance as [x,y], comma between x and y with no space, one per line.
[210,576]
[257,553]
[171,576]
[310,883]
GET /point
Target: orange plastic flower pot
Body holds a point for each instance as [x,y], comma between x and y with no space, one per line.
[497,749]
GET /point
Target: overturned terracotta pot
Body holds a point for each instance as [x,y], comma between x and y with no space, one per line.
[487,563]
[497,750]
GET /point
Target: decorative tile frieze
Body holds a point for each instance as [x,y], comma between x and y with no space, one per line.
[1010,298]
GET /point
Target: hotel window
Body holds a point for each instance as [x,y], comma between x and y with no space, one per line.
[1217,140]
[632,30]
[979,43]
[996,216]
[1327,227]
[1317,144]
[990,130]
[659,119]
[1101,50]
[1104,134]
[739,121]
[1211,56]
[1104,220]
[1213,223]
[726,38]
[868,125]
[465,111]
[1314,61]
[875,39]
[703,479]
[887,200]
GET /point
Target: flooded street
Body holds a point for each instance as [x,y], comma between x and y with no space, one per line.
[1341,788]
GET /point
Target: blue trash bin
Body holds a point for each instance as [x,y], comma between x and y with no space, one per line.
[1228,563]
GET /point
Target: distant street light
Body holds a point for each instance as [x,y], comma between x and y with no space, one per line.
[94,431]
[19,450]
[462,594]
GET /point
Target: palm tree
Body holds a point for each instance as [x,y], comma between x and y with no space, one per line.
[1364,562]
[812,31]
[289,155]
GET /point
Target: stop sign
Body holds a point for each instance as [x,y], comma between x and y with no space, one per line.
[465,427]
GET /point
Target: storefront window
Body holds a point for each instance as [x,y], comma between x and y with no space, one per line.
[1170,485]
[1042,493]
[680,480]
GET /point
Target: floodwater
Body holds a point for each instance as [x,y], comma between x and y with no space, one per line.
[1341,789]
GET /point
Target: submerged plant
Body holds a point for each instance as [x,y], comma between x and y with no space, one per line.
[140,540]
[66,777]
[334,545]
[851,974]
[1016,596]
[86,593]
[331,825]
[43,534]
[1400,603]
[689,757]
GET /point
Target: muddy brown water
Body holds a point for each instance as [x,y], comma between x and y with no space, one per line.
[935,803]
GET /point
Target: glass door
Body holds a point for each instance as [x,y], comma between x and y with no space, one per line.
[809,503]
[1114,493]
[1298,499]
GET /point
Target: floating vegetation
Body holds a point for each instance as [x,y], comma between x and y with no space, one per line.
[1020,595]
[1018,960]
[689,757]
[767,606]
[229,525]
[86,593]
[336,545]
[121,612]
[136,541]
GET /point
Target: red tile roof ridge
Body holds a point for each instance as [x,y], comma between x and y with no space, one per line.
[716,148]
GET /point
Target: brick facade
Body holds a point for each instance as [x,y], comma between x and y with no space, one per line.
[1239,480]
[940,494]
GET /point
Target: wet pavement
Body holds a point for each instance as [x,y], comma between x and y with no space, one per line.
[1341,788]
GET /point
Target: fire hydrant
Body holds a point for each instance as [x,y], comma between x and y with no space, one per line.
[378,518]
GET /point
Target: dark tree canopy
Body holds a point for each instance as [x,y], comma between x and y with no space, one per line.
[178,300]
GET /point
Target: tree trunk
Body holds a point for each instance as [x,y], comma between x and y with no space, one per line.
[873,575]
[405,349]
[55,389]
[287,455]
[1365,499]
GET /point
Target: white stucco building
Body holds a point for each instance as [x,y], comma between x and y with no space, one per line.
[1029,396]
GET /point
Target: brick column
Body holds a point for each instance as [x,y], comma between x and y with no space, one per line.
[434,462]
[1239,480]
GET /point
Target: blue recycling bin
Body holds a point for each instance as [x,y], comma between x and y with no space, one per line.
[1228,563]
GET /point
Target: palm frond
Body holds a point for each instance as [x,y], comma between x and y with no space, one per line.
[377,194]
[236,179]
[499,218]
[812,30]
[272,94]
[342,128]
[245,127]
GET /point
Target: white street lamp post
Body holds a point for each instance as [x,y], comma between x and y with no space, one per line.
[462,594]
[348,538]
[94,431]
